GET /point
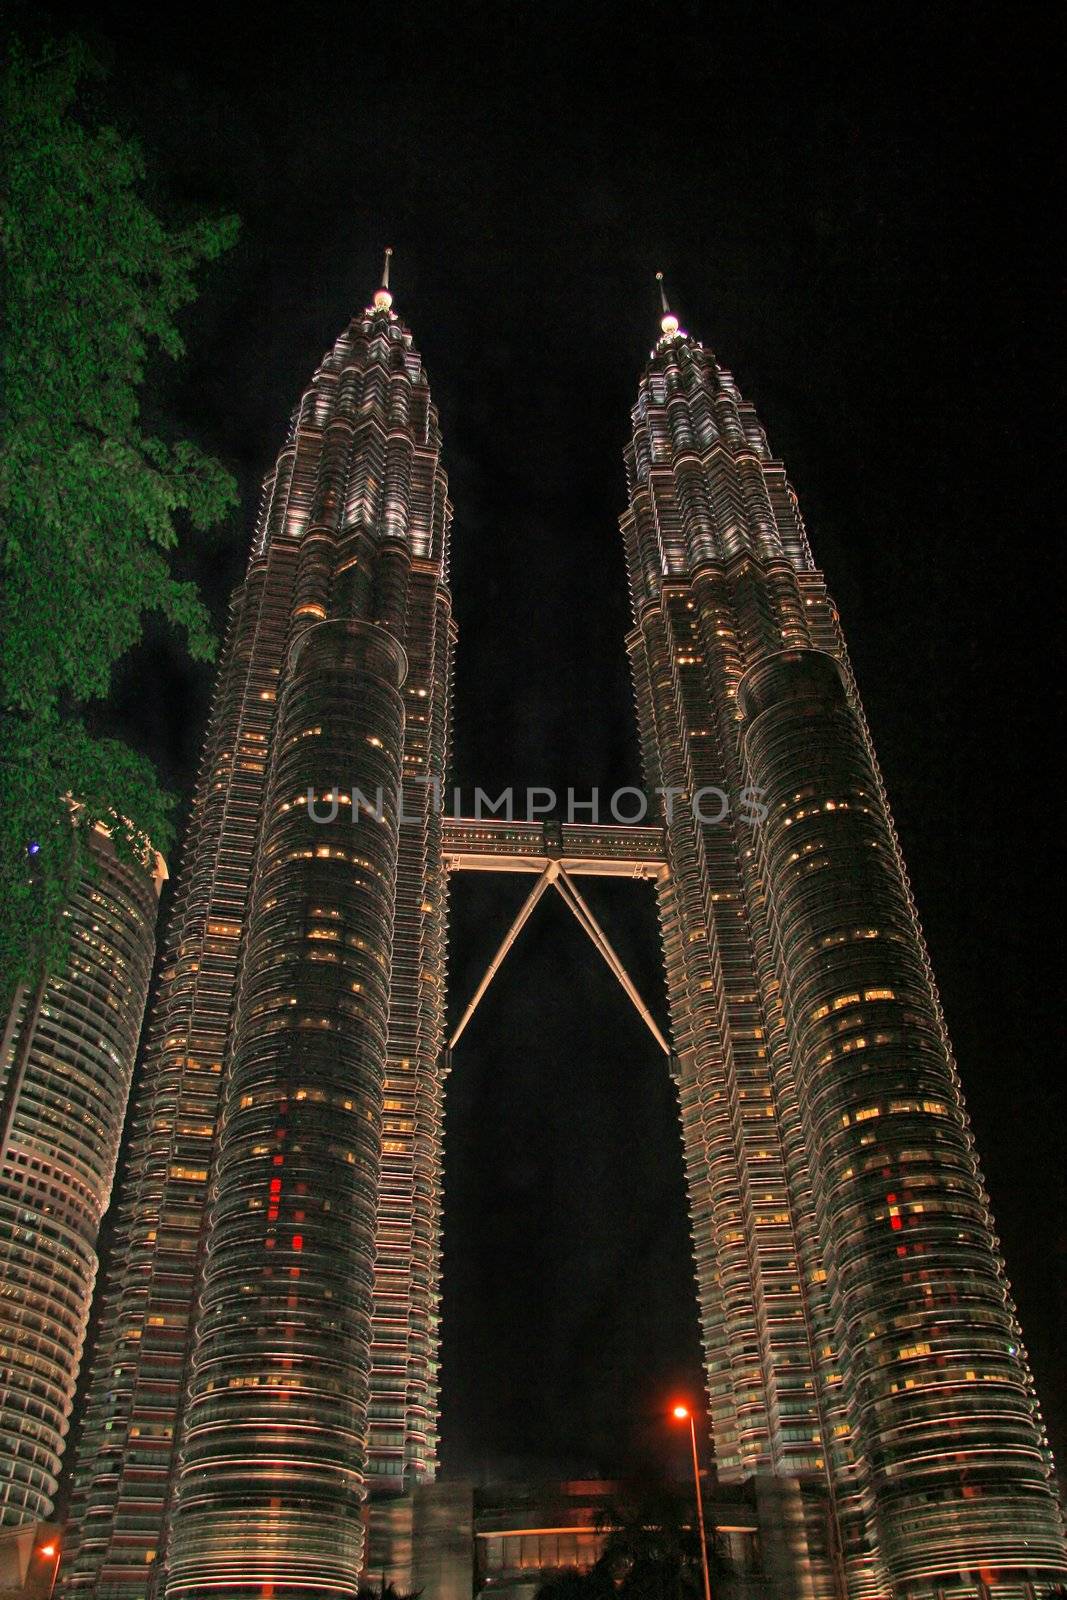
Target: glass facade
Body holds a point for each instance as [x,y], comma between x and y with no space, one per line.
[295,1195]
[65,1065]
[858,1327]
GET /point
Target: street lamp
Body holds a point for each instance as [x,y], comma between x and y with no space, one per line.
[52,1551]
[682,1413]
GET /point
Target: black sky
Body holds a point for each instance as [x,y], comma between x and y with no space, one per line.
[851,206]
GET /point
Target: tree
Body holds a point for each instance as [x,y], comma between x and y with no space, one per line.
[649,1553]
[90,502]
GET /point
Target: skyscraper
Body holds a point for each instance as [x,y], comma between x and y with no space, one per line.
[856,1320]
[269,1333]
[65,1066]
[307,957]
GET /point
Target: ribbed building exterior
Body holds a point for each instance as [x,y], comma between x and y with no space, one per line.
[267,1353]
[858,1328]
[285,1166]
[66,1060]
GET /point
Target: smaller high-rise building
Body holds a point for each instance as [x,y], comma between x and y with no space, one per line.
[66,1061]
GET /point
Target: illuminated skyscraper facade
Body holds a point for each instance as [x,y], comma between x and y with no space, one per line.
[65,1065]
[857,1325]
[306,956]
[269,1335]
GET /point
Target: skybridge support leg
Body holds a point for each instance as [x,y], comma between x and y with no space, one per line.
[512,934]
[573,898]
[575,901]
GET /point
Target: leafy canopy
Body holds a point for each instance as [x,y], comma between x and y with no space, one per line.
[90,503]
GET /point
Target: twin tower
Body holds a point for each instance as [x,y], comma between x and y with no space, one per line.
[269,1332]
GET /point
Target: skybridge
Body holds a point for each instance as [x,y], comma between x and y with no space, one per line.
[557,853]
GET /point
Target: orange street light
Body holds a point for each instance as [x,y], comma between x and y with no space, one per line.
[682,1413]
[52,1551]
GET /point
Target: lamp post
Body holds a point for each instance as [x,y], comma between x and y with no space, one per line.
[682,1414]
[53,1552]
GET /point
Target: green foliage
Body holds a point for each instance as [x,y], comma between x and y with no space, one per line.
[89,503]
[47,757]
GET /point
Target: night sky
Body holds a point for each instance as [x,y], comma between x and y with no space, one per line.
[850,207]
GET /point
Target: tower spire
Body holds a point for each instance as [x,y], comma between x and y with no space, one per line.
[382,298]
[668,322]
